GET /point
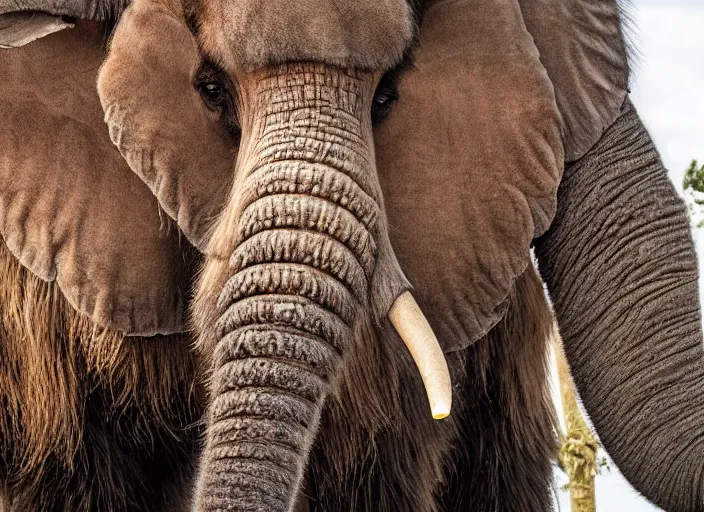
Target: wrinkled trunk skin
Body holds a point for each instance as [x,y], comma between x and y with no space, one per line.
[291,264]
[620,265]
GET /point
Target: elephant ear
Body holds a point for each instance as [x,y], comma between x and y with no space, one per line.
[582,46]
[470,159]
[70,208]
[158,119]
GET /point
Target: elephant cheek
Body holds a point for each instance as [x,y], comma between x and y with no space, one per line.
[303,225]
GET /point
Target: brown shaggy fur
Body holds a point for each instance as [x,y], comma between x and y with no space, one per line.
[92,421]
[95,421]
[381,450]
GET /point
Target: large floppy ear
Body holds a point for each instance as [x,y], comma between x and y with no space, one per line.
[71,210]
[582,46]
[470,159]
[159,120]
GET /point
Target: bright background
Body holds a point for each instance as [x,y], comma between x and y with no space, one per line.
[668,91]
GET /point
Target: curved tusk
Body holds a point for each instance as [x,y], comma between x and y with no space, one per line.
[416,333]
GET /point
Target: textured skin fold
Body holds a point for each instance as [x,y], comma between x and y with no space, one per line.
[469,160]
[582,46]
[70,208]
[620,265]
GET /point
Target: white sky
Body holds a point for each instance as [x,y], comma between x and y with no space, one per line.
[668,85]
[668,91]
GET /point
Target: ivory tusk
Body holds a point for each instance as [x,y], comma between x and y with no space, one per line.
[416,333]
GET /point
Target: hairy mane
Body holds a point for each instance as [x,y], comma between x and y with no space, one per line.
[60,374]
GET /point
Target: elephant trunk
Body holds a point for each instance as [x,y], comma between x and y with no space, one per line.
[293,259]
[620,265]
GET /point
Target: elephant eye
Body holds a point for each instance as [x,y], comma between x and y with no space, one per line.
[213,92]
[215,89]
[384,98]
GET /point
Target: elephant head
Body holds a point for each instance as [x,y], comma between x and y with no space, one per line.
[322,158]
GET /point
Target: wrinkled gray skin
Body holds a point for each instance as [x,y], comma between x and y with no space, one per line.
[618,260]
[622,272]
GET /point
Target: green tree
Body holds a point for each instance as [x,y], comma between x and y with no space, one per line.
[693,185]
[694,177]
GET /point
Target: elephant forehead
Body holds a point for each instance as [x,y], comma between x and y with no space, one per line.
[249,34]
